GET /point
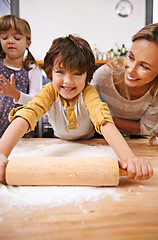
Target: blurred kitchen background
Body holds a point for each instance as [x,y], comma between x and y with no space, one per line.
[95,20]
[106,24]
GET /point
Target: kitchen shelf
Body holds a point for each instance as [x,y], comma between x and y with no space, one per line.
[98,62]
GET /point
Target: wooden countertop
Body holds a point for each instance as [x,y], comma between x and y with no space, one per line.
[134,217]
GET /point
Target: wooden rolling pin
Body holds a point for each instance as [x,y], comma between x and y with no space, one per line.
[65,171]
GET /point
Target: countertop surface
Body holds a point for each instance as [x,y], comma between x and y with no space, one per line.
[128,211]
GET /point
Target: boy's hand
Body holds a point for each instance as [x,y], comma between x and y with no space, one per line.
[137,168]
[3,164]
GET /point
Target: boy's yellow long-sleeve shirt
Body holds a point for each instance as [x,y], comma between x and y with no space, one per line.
[68,122]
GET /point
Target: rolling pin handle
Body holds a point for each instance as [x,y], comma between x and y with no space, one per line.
[123,172]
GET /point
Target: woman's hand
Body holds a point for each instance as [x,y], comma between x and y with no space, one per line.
[137,168]
[3,165]
[8,88]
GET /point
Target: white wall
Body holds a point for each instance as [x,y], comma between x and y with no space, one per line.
[94,20]
[4,8]
[155,11]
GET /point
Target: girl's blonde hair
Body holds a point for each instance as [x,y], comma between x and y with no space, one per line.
[22,27]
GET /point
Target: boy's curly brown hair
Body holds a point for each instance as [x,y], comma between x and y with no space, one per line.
[74,53]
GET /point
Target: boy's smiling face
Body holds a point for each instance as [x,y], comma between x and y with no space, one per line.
[68,83]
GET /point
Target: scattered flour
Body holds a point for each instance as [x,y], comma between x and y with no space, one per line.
[63,148]
[54,196]
[147,188]
[57,196]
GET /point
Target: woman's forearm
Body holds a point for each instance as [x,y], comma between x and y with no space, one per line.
[12,135]
[127,125]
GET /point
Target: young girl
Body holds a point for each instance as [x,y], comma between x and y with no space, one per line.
[20,79]
[72,105]
[130,86]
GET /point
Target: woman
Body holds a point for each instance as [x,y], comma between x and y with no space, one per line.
[130,86]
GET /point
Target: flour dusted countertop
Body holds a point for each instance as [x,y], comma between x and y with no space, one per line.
[129,211]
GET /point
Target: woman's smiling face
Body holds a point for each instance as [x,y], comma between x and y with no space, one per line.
[141,64]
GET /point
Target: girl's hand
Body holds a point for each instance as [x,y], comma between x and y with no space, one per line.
[8,88]
[3,165]
[137,168]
